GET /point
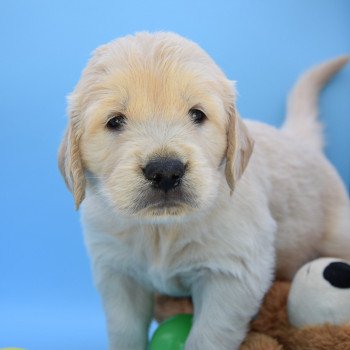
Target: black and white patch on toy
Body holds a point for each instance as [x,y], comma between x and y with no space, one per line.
[320,293]
[338,274]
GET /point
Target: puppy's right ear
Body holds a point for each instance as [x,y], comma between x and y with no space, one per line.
[70,164]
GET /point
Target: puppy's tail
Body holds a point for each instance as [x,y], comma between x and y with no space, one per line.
[302,107]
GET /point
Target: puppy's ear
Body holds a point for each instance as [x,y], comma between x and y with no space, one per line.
[239,148]
[70,164]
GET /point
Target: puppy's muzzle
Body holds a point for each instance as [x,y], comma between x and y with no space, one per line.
[165,174]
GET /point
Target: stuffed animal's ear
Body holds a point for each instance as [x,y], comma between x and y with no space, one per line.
[70,164]
[239,148]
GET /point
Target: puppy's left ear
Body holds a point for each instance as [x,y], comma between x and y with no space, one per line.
[239,148]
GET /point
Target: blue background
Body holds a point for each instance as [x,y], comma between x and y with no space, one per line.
[47,298]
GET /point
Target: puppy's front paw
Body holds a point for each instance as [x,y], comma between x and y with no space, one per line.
[129,346]
[213,341]
[210,346]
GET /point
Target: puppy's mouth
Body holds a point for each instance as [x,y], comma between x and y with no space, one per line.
[173,202]
[165,204]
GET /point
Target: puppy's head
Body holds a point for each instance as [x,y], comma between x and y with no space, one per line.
[152,125]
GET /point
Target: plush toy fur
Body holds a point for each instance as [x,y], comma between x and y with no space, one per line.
[271,329]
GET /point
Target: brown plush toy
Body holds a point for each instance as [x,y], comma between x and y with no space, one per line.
[271,329]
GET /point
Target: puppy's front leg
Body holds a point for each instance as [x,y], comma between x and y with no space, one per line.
[223,308]
[128,308]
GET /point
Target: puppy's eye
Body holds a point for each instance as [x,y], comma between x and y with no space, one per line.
[116,122]
[197,116]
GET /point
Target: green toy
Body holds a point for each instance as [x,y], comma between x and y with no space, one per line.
[12,349]
[172,333]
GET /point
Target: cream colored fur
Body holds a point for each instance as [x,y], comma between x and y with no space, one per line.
[259,199]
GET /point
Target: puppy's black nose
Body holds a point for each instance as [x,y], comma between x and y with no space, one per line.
[165,173]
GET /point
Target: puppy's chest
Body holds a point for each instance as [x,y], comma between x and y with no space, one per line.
[166,280]
[161,266]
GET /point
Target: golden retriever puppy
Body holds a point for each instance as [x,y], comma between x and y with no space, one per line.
[181,196]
